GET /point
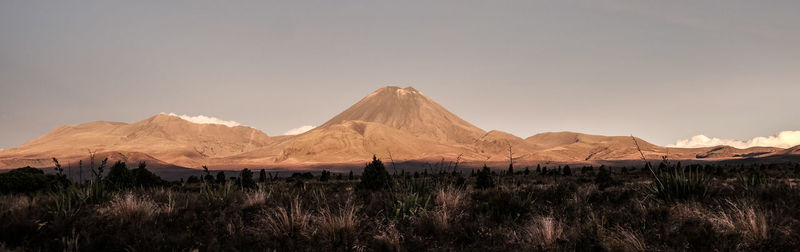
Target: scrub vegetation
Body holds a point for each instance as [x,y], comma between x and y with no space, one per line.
[668,207]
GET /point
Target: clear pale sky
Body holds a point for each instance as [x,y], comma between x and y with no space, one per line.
[661,70]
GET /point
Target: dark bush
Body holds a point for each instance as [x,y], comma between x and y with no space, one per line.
[324,176]
[144,178]
[246,178]
[27,180]
[484,178]
[375,176]
[301,176]
[221,177]
[119,177]
[262,176]
[604,179]
[567,171]
[192,180]
[502,205]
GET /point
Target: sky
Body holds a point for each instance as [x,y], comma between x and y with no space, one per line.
[664,71]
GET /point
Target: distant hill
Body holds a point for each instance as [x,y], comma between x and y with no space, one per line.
[161,138]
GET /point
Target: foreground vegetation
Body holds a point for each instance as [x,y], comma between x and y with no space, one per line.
[527,208]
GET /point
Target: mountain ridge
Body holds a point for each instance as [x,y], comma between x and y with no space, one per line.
[392,122]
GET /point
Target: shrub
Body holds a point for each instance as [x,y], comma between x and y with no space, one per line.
[375,176]
[502,205]
[144,178]
[324,176]
[567,171]
[119,177]
[247,178]
[192,180]
[262,176]
[301,176]
[484,178]
[28,180]
[604,179]
[221,177]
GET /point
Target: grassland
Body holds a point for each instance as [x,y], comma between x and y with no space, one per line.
[619,209]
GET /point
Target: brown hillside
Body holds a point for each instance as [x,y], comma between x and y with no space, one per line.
[166,138]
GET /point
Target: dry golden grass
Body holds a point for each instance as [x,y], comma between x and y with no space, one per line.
[338,228]
[624,239]
[18,202]
[743,218]
[450,197]
[256,197]
[387,239]
[128,206]
[291,222]
[544,232]
[584,191]
[448,206]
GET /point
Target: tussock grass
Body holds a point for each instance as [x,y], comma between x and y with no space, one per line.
[290,222]
[544,232]
[388,238]
[257,197]
[625,239]
[129,206]
[743,218]
[448,207]
[10,203]
[338,227]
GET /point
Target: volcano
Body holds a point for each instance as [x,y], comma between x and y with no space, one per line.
[401,122]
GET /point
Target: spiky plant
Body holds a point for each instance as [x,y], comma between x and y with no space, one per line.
[680,185]
[752,181]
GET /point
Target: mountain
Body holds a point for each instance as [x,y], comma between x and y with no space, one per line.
[560,146]
[162,138]
[400,121]
[409,110]
[401,124]
[557,146]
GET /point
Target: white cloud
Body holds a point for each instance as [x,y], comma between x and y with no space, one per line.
[298,130]
[201,119]
[785,139]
